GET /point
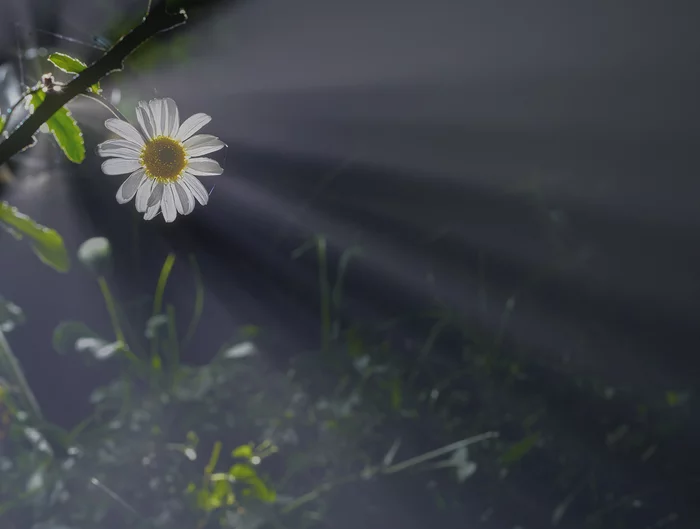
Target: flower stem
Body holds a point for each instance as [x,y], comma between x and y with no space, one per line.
[109,106]
[114,318]
[385,470]
[324,287]
[11,360]
[111,308]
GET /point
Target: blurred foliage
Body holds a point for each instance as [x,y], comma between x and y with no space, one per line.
[46,243]
[236,443]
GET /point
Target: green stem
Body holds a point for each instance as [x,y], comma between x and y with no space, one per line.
[112,309]
[325,293]
[114,318]
[325,487]
[198,301]
[11,360]
[158,299]
[437,453]
[172,335]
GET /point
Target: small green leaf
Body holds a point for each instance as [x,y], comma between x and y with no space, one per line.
[676,398]
[213,458]
[462,465]
[75,336]
[70,64]
[244,451]
[517,451]
[257,488]
[249,331]
[47,244]
[64,128]
[192,438]
[10,315]
[240,350]
[396,396]
[560,510]
[67,63]
[2,122]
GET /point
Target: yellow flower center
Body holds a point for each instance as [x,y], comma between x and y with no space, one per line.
[163,158]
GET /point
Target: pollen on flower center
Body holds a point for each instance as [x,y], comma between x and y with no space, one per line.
[163,158]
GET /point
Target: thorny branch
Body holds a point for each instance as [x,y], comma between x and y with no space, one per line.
[157,20]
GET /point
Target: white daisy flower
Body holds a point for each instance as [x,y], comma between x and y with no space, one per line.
[164,160]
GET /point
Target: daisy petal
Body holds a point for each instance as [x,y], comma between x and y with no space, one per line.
[128,189]
[143,114]
[203,144]
[157,114]
[192,125]
[156,195]
[168,204]
[119,166]
[198,190]
[173,122]
[184,199]
[152,212]
[118,148]
[163,116]
[125,130]
[204,167]
[151,118]
[143,194]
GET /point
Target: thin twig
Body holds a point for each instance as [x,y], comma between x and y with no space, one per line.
[157,20]
[109,106]
[385,470]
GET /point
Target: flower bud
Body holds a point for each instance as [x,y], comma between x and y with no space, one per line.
[96,255]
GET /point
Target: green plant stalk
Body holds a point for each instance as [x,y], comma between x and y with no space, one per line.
[378,469]
[342,270]
[325,293]
[213,459]
[482,282]
[112,309]
[162,282]
[158,298]
[172,338]
[198,301]
[438,452]
[114,318]
[11,360]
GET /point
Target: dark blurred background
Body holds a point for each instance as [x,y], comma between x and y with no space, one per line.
[477,151]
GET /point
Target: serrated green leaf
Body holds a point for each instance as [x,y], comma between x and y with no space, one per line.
[67,63]
[64,128]
[70,64]
[46,243]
